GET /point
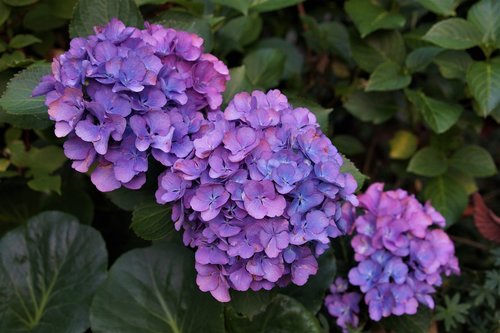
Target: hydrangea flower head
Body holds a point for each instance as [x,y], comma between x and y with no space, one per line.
[401,250]
[123,94]
[259,197]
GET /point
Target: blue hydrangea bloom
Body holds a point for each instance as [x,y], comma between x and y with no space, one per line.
[133,92]
[260,195]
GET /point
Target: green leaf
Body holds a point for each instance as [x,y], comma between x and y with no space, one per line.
[187,22]
[485,15]
[372,107]
[239,32]
[369,17]
[322,114]
[49,271]
[4,12]
[483,80]
[19,3]
[447,196]
[284,315]
[388,76]
[429,162]
[45,183]
[403,145]
[336,39]
[348,144]
[440,116]
[378,48]
[264,67]
[474,161]
[91,13]
[443,7]
[420,322]
[40,18]
[349,167]
[312,294]
[249,303]
[150,2]
[453,313]
[20,41]
[270,5]
[239,82]
[294,58]
[454,33]
[17,98]
[152,221]
[62,8]
[453,64]
[240,5]
[420,58]
[154,289]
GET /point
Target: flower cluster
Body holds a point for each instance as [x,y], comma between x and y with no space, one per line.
[259,196]
[124,93]
[343,305]
[402,252]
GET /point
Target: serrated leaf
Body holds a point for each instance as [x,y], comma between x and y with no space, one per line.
[49,271]
[454,313]
[373,107]
[17,99]
[152,221]
[91,13]
[264,67]
[403,145]
[420,58]
[429,162]
[453,64]
[284,315]
[454,33]
[447,196]
[443,7]
[483,80]
[439,115]
[155,288]
[388,76]
[485,15]
[349,167]
[187,22]
[474,161]
[369,17]
[379,47]
[20,41]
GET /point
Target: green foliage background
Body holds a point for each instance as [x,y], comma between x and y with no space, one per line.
[408,90]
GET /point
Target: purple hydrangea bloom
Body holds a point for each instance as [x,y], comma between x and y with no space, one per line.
[401,251]
[259,192]
[135,92]
[343,305]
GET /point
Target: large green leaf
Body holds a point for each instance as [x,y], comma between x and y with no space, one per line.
[369,17]
[152,221]
[270,5]
[485,15]
[420,58]
[474,161]
[372,107]
[448,196]
[439,115]
[91,13]
[249,303]
[388,76]
[239,32]
[454,33]
[429,162]
[312,294]
[239,82]
[294,58]
[283,315]
[20,41]
[264,67]
[187,22]
[453,64]
[241,5]
[483,79]
[4,12]
[17,99]
[154,290]
[49,271]
[420,322]
[443,7]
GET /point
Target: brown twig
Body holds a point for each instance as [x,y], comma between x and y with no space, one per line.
[469,242]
